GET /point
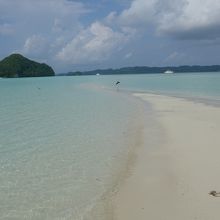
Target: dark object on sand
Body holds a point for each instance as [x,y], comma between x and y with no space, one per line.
[117,83]
[214,193]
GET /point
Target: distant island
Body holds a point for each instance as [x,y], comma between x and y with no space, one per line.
[147,70]
[17,65]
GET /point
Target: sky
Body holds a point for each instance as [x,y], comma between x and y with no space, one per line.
[72,35]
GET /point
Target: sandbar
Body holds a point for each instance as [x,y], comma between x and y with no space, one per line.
[174,173]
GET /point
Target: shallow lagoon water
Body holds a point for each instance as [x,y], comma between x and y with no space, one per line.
[63,140]
[180,84]
[60,140]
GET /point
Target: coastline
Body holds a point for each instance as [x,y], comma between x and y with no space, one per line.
[177,166]
[133,136]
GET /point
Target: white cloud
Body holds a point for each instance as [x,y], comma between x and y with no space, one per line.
[63,30]
[190,19]
[139,12]
[39,28]
[50,18]
[95,43]
[35,45]
[196,19]
[111,17]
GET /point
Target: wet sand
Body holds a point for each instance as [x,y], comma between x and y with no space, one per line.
[175,172]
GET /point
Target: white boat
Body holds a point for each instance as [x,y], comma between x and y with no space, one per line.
[168,71]
[97,74]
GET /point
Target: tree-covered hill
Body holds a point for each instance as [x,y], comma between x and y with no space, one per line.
[147,69]
[17,65]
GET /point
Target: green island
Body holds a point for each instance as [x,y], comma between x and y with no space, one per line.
[147,70]
[17,65]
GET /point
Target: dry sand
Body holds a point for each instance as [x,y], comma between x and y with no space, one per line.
[171,179]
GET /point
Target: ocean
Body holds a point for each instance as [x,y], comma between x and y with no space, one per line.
[197,85]
[64,141]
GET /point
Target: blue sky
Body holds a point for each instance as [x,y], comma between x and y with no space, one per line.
[80,35]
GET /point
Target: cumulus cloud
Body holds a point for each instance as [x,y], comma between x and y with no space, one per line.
[183,19]
[50,18]
[139,12]
[195,20]
[95,43]
[76,32]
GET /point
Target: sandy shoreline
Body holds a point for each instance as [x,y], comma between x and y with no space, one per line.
[175,172]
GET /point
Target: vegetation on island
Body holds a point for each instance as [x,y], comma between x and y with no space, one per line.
[17,65]
[148,70]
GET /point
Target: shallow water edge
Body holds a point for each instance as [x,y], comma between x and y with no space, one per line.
[144,132]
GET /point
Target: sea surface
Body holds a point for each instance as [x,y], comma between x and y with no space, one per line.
[65,140]
[195,85]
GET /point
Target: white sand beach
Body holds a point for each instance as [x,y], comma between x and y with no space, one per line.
[171,179]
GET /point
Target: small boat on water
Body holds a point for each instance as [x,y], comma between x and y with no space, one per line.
[168,71]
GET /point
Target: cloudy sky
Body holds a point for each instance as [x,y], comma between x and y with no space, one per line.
[75,35]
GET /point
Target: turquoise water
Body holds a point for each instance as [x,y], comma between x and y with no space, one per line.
[60,144]
[63,140]
[183,84]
